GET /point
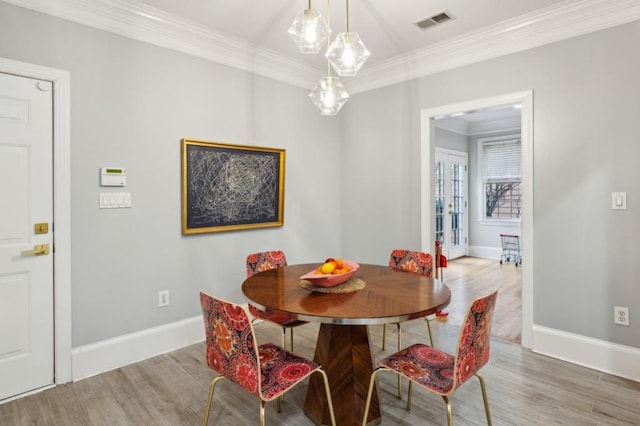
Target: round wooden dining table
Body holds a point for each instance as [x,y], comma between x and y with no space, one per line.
[342,346]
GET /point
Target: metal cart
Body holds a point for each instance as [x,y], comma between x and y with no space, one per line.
[510,249]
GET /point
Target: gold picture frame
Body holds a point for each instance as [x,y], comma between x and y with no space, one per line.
[227,187]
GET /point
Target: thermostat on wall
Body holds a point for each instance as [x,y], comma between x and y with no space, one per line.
[113,176]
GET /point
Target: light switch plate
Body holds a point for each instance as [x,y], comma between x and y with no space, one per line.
[115,200]
[618,201]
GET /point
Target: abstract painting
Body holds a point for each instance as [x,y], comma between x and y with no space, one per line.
[228,187]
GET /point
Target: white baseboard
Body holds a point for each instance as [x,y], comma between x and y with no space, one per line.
[113,353]
[597,354]
[485,252]
[110,354]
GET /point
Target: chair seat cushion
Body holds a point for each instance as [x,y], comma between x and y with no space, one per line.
[425,365]
[283,320]
[281,370]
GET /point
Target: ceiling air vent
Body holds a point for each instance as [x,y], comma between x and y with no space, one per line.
[436,19]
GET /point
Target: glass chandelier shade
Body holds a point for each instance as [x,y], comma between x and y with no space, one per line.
[347,54]
[309,31]
[329,95]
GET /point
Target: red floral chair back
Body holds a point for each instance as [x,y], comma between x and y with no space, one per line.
[415,261]
[263,261]
[439,371]
[230,343]
[266,371]
[473,344]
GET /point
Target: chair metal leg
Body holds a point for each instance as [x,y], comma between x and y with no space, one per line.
[211,389]
[485,398]
[291,337]
[429,329]
[328,392]
[284,341]
[409,394]
[399,347]
[449,411]
[262,416]
[384,335]
[367,404]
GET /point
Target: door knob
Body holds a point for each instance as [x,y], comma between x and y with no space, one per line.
[38,249]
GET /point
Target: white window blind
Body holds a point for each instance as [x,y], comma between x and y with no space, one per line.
[501,161]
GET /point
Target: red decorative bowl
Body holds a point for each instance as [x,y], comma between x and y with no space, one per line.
[332,280]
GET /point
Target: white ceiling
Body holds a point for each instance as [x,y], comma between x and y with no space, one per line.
[252,34]
[387,27]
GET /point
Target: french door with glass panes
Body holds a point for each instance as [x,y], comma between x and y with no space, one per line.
[451,205]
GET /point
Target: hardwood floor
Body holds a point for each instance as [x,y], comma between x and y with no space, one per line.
[470,277]
[524,389]
[171,389]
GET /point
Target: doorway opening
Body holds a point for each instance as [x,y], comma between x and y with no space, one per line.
[428,208]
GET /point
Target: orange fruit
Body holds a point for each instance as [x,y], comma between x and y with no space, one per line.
[339,263]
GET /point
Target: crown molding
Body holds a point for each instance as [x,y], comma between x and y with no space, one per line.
[552,24]
[465,128]
[140,22]
[143,23]
[511,124]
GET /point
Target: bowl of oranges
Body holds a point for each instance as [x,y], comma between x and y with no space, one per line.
[332,272]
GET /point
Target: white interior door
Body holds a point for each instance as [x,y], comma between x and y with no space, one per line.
[451,206]
[26,222]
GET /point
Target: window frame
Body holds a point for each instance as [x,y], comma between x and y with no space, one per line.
[482,219]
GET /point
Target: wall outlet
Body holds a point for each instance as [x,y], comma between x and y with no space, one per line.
[163,298]
[621,315]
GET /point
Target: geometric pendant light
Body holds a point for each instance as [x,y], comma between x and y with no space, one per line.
[309,31]
[347,53]
[329,95]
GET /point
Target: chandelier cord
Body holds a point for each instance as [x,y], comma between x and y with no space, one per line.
[347,14]
[328,44]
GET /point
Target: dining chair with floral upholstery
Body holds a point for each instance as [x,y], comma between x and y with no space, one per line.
[264,261]
[413,261]
[443,373]
[266,371]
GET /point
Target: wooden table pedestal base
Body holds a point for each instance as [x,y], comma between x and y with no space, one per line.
[345,355]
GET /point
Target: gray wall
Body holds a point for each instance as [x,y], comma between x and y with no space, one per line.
[585,146]
[380,200]
[451,140]
[131,103]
